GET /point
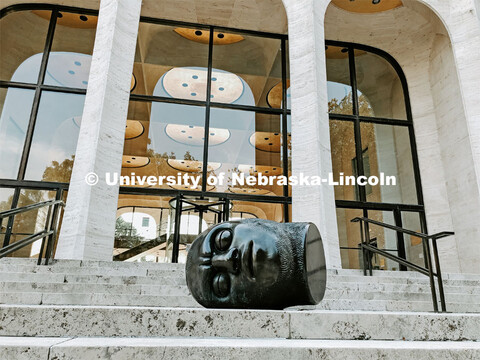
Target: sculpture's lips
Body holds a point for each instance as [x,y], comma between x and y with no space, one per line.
[248,261]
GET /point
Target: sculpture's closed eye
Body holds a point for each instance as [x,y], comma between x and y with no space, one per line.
[223,240]
[221,285]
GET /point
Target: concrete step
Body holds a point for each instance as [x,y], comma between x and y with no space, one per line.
[378,286]
[120,300]
[128,280]
[121,265]
[94,270]
[154,284]
[392,305]
[130,289]
[87,263]
[386,273]
[332,286]
[118,321]
[400,280]
[225,348]
[37,298]
[400,296]
[171,300]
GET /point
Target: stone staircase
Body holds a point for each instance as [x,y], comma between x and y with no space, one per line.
[71,282]
[122,310]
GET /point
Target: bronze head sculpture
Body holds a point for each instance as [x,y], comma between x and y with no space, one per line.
[257,264]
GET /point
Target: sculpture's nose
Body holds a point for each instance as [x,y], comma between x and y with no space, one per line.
[227,261]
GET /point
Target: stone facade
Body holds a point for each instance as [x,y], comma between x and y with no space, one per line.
[436,43]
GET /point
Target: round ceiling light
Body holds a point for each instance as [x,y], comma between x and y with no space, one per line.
[254,170]
[189,187]
[194,135]
[192,165]
[133,83]
[203,36]
[266,141]
[78,21]
[68,69]
[274,96]
[129,161]
[133,129]
[250,191]
[367,6]
[335,52]
[191,83]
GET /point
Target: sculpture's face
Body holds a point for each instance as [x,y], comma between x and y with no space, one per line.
[240,264]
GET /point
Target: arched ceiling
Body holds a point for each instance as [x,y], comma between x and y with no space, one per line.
[264,15]
[367,6]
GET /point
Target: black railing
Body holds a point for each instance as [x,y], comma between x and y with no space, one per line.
[367,249]
[48,234]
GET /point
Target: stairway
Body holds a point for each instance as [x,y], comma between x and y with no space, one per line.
[122,310]
[71,282]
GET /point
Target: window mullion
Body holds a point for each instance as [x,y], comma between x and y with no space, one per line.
[207,111]
[357,129]
[284,126]
[36,100]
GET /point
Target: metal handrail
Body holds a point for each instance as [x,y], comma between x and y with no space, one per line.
[8,213]
[49,232]
[427,270]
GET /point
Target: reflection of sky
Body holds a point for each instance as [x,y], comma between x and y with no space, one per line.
[56,131]
[58,119]
[64,69]
[13,125]
[337,90]
[5,194]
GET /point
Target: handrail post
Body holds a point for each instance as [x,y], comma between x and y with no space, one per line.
[428,270]
[363,249]
[54,225]
[47,228]
[176,234]
[439,275]
[430,274]
[370,254]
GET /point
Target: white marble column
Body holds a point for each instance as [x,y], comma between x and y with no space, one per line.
[310,123]
[89,221]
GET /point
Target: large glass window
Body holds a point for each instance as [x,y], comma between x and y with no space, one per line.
[207,103]
[371,132]
[45,64]
[204,101]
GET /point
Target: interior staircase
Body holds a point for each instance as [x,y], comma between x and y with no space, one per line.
[131,310]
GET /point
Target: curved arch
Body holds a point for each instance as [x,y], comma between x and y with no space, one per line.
[422,38]
[390,59]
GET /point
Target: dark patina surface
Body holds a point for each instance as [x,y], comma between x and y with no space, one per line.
[257,264]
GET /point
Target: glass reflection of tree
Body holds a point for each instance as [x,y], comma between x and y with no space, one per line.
[126,235]
[339,129]
[163,168]
[25,223]
[345,106]
[59,172]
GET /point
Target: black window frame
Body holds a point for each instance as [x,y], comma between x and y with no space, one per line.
[356,119]
[21,183]
[286,200]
